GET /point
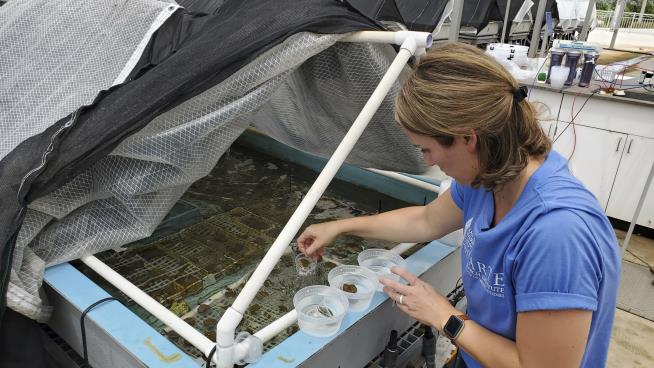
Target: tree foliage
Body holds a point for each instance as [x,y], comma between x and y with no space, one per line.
[633,6]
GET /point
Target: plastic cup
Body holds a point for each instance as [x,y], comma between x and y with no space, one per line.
[320,310]
[304,265]
[380,261]
[357,283]
[558,76]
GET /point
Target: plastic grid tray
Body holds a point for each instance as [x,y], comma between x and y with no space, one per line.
[198,270]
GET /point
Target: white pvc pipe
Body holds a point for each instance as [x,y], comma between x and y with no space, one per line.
[422,39]
[317,189]
[402,247]
[234,314]
[277,326]
[171,320]
[408,180]
[285,321]
[410,42]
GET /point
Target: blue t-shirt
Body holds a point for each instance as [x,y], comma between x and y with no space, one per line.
[554,250]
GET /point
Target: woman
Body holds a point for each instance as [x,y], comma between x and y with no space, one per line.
[540,261]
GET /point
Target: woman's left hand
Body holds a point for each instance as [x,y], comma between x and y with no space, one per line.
[418,299]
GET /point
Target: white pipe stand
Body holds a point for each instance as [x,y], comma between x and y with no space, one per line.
[226,348]
[245,348]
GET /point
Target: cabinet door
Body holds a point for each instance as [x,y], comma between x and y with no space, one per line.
[630,182]
[595,156]
[550,100]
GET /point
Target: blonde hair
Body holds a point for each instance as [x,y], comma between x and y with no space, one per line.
[457,87]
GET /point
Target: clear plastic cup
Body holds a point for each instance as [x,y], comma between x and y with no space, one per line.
[380,261]
[558,76]
[357,283]
[304,265]
[320,310]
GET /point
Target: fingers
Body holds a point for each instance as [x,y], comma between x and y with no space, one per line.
[399,287]
[394,285]
[308,246]
[393,294]
[403,273]
[304,240]
[315,247]
[315,255]
[396,297]
[303,244]
[306,243]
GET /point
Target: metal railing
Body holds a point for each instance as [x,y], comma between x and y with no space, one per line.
[630,22]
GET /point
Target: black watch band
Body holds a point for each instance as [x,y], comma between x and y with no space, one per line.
[454,326]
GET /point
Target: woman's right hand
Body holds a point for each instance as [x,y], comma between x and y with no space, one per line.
[315,237]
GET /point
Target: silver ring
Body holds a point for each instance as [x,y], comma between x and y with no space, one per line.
[401,301]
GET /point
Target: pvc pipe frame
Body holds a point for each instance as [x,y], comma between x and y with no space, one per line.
[171,320]
[188,332]
[200,341]
[407,179]
[422,39]
[226,353]
[277,326]
[226,327]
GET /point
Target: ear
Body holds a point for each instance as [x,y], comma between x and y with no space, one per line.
[471,141]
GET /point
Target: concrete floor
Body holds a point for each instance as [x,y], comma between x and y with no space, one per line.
[632,341]
[640,251]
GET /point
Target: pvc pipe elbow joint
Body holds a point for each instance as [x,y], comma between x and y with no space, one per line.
[248,348]
[421,39]
[225,330]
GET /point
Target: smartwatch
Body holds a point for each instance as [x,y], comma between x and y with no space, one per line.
[454,326]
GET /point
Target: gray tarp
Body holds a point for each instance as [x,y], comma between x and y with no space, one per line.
[305,92]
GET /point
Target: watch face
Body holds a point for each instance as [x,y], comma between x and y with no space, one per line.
[452,327]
